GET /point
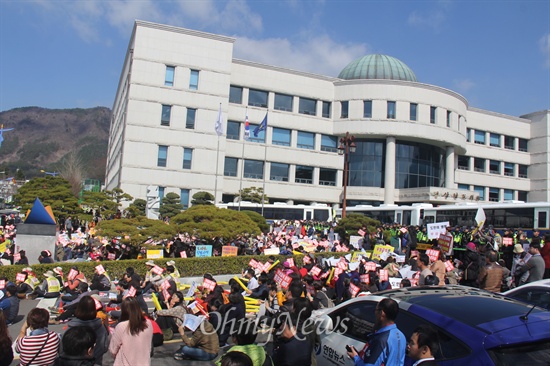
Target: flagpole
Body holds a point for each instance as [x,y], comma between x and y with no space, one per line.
[217,168]
[265,163]
[242,164]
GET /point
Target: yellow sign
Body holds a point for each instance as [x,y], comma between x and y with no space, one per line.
[380,249]
[229,251]
[155,253]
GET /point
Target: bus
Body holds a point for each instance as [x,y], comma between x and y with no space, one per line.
[284,211]
[513,214]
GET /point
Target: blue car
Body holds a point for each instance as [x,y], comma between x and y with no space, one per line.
[475,327]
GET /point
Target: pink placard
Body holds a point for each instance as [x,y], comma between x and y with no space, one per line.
[282,279]
[449,266]
[383,274]
[157,270]
[98,304]
[306,260]
[166,295]
[254,263]
[131,291]
[208,284]
[111,256]
[183,254]
[100,269]
[507,241]
[342,265]
[315,271]
[16,257]
[370,266]
[433,254]
[353,290]
[290,262]
[2,284]
[361,232]
[364,278]
[72,274]
[310,290]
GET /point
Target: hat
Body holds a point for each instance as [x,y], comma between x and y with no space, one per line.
[518,248]
[150,263]
[471,246]
[286,264]
[171,263]
[26,269]
[49,274]
[58,270]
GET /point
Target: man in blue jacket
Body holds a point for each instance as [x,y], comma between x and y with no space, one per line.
[387,345]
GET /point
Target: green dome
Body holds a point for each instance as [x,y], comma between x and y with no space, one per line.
[377,67]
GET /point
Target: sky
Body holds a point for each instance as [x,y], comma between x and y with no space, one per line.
[69,53]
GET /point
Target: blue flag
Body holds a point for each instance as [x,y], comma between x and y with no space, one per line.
[261,127]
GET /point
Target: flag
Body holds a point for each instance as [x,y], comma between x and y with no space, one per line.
[480,217]
[246,129]
[261,127]
[219,122]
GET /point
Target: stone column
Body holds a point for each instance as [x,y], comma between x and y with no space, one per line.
[450,167]
[389,174]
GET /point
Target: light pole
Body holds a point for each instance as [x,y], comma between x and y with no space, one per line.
[346,147]
[53,174]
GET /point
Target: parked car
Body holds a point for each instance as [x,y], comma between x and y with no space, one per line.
[475,327]
[535,293]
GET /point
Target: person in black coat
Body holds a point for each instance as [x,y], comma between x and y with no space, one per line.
[423,346]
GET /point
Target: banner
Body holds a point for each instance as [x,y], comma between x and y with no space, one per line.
[202,251]
[229,251]
[272,251]
[436,229]
[155,253]
[381,249]
[446,243]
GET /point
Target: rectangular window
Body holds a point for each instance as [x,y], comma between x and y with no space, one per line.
[327,177]
[261,134]
[169,75]
[254,169]
[494,167]
[233,130]
[283,102]
[433,115]
[367,109]
[279,172]
[161,193]
[480,191]
[413,111]
[494,139]
[463,162]
[508,195]
[329,143]
[479,165]
[345,109]
[522,171]
[391,110]
[468,135]
[235,94]
[522,196]
[165,116]
[184,198]
[190,120]
[194,80]
[463,187]
[307,106]
[304,174]
[306,140]
[522,145]
[281,137]
[509,169]
[449,118]
[509,142]
[230,167]
[479,137]
[257,98]
[187,157]
[326,109]
[162,155]
[494,194]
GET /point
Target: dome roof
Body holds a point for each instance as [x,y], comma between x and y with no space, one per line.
[377,67]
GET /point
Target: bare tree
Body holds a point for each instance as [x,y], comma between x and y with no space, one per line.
[72,169]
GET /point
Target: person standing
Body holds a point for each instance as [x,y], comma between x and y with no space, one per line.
[387,344]
[423,261]
[545,253]
[133,336]
[438,268]
[490,275]
[535,264]
[422,346]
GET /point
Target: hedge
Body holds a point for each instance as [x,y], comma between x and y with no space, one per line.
[188,267]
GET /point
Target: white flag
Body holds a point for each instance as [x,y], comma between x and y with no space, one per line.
[480,217]
[219,122]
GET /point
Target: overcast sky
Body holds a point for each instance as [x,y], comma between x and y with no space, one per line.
[69,54]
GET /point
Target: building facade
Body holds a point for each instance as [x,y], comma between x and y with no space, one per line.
[414,142]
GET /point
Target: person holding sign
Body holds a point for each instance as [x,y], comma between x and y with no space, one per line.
[203,344]
[50,287]
[100,281]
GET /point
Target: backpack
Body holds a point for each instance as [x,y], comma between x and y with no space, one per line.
[330,302]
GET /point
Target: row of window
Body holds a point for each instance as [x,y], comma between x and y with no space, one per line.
[166,115]
[391,111]
[184,196]
[495,166]
[493,194]
[497,140]
[162,157]
[279,172]
[170,74]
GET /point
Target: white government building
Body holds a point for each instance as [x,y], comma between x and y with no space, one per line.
[414,142]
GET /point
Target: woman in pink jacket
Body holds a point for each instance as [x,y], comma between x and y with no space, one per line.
[132,339]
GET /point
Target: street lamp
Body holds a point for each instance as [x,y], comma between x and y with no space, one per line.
[347,146]
[53,174]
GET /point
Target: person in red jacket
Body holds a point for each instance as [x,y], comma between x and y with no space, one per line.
[545,253]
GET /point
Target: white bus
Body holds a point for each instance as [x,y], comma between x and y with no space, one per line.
[500,215]
[284,211]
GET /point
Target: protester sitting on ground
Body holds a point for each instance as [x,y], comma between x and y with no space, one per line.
[171,318]
[423,345]
[158,336]
[23,258]
[74,283]
[67,309]
[41,346]
[243,336]
[236,359]
[100,282]
[151,278]
[261,292]
[28,284]
[86,315]
[132,339]
[6,350]
[78,346]
[49,288]
[202,346]
[176,273]
[11,295]
[45,257]
[5,303]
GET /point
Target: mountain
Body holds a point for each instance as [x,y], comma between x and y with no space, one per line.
[41,138]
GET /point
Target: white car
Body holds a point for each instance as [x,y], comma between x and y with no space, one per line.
[535,293]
